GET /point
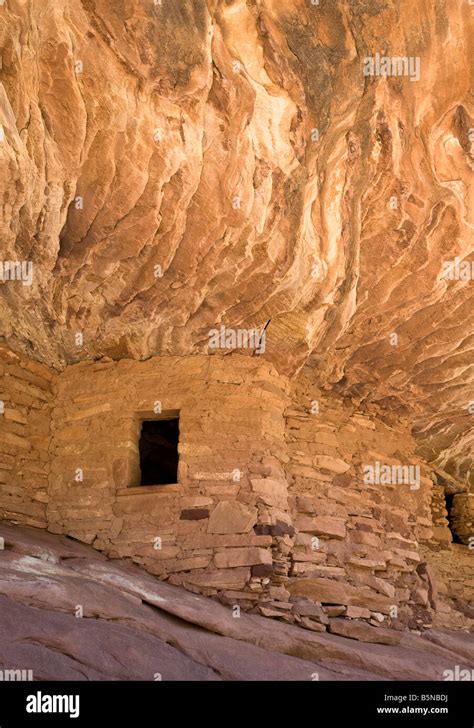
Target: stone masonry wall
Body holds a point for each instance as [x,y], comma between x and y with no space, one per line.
[213,531]
[357,546]
[452,579]
[25,414]
[272,509]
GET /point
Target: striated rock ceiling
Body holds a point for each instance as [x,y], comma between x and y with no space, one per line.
[240,147]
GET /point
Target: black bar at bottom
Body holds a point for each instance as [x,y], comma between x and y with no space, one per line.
[130,703]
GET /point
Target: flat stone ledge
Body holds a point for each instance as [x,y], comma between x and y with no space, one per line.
[150,489]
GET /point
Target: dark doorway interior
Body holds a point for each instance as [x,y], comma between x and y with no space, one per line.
[452,525]
[159,451]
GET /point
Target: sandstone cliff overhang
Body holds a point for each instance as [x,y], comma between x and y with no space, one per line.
[170,167]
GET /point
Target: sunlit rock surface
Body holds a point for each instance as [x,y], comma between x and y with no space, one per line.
[172,167]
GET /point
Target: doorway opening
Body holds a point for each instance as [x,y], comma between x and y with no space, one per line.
[452,522]
[158,448]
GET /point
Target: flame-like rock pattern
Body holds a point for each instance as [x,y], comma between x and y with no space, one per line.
[170,166]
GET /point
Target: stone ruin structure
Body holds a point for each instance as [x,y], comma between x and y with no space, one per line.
[272,509]
[169,168]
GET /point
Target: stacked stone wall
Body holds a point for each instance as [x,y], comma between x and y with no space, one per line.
[281,504]
[25,416]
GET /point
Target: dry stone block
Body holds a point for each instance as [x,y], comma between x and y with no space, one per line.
[242,557]
[369,599]
[231,517]
[368,564]
[311,624]
[271,492]
[262,570]
[366,538]
[307,608]
[322,526]
[194,514]
[335,465]
[325,591]
[334,611]
[222,579]
[357,613]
